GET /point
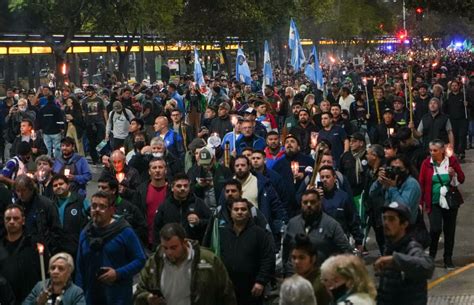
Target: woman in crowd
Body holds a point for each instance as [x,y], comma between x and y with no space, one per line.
[296,290]
[440,174]
[348,281]
[59,289]
[305,263]
[75,123]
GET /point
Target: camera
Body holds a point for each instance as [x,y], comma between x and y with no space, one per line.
[392,172]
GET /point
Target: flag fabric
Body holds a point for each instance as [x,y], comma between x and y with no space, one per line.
[198,76]
[242,70]
[267,67]
[294,43]
[313,69]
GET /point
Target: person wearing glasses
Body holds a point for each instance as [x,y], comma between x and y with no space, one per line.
[109,255]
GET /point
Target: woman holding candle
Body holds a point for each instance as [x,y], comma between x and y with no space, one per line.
[59,288]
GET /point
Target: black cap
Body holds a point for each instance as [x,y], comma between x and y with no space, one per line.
[358,136]
[90,88]
[387,110]
[401,209]
[294,137]
[305,110]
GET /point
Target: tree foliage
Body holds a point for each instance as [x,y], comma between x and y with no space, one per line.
[461,8]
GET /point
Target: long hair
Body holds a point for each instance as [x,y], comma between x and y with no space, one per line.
[352,269]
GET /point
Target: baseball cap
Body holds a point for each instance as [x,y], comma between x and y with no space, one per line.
[358,136]
[401,209]
[305,110]
[117,106]
[205,156]
[387,110]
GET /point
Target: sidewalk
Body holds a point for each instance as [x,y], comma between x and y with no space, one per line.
[455,287]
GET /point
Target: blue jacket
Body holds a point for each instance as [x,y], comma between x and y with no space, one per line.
[79,168]
[408,193]
[283,167]
[257,143]
[179,100]
[174,143]
[229,137]
[339,205]
[123,252]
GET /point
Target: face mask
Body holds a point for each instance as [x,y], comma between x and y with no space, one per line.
[139,145]
[158,154]
[22,109]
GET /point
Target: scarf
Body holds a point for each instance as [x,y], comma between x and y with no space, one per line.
[357,156]
[97,237]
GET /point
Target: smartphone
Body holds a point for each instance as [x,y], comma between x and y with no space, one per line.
[101,271]
[156,292]
[319,185]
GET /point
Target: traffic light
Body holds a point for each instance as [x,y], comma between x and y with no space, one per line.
[419,13]
[402,35]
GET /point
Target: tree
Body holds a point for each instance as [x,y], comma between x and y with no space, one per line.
[133,18]
[460,8]
[49,17]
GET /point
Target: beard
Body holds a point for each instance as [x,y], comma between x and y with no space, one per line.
[309,216]
[242,175]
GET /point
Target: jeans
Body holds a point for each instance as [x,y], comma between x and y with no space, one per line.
[445,220]
[53,142]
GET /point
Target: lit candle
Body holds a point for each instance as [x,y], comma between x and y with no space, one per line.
[122,149]
[67,171]
[405,76]
[364,81]
[295,167]
[233,103]
[33,134]
[120,177]
[41,255]
[30,175]
[314,139]
[449,151]
[391,131]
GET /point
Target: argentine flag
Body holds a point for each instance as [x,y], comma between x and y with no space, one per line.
[198,76]
[267,67]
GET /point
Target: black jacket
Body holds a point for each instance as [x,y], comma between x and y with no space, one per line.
[248,257]
[131,181]
[133,215]
[347,168]
[141,164]
[42,223]
[304,134]
[173,210]
[76,215]
[406,281]
[51,119]
[454,106]
[220,174]
[221,126]
[19,264]
[37,143]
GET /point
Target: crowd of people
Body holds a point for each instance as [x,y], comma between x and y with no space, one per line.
[225,192]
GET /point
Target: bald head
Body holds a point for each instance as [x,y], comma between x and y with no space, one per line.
[118,160]
[161,124]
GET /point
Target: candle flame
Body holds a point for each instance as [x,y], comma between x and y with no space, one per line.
[40,248]
[120,177]
[449,151]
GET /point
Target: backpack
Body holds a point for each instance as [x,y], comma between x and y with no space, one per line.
[112,118]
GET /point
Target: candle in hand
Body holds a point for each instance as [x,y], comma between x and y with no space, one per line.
[67,171]
[122,149]
[295,167]
[120,177]
[314,139]
[41,256]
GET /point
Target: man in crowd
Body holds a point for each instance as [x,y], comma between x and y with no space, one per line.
[185,131]
[17,165]
[19,260]
[73,166]
[118,125]
[405,268]
[169,276]
[109,255]
[51,122]
[304,129]
[335,135]
[273,150]
[27,134]
[250,268]
[95,116]
[248,138]
[182,206]
[324,231]
[173,141]
[222,124]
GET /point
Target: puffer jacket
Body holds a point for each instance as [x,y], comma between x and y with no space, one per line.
[405,282]
[210,283]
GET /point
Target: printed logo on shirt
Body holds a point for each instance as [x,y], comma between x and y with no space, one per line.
[73,212]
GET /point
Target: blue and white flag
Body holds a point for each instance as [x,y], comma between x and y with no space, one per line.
[313,69]
[294,43]
[198,76]
[267,67]
[242,70]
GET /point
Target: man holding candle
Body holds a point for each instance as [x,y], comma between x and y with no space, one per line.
[387,129]
[292,179]
[127,176]
[109,255]
[73,166]
[28,134]
[304,129]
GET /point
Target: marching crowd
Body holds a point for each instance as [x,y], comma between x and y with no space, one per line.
[224,192]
